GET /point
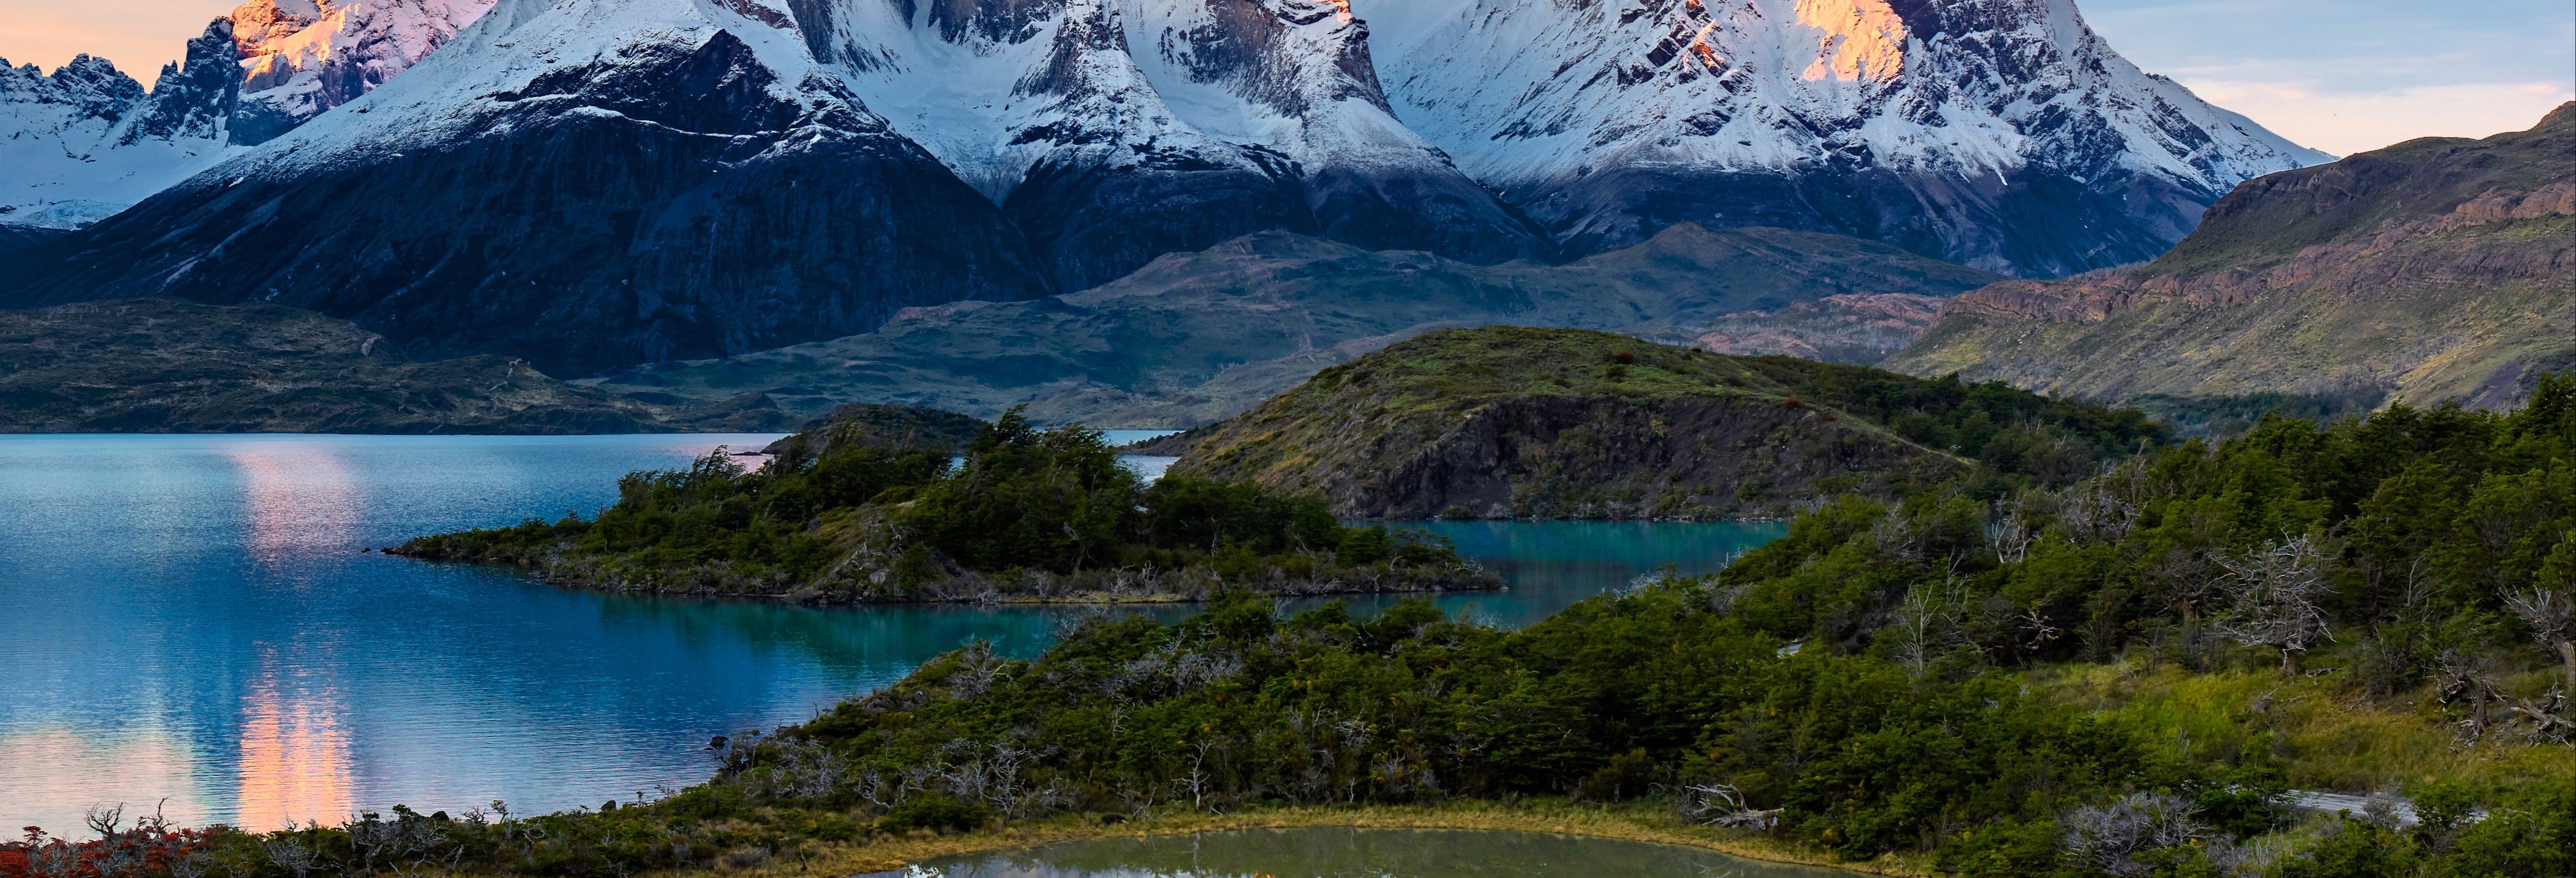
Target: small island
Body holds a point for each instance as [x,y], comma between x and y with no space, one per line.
[888,504]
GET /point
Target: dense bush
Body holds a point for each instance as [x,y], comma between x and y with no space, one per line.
[2017,436]
[1019,498]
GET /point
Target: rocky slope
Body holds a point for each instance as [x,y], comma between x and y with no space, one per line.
[582,185]
[1193,338]
[2003,134]
[158,365]
[2433,269]
[1844,328]
[1518,422]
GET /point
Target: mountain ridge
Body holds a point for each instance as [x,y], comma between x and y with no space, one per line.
[1192,338]
[2435,269]
[684,179]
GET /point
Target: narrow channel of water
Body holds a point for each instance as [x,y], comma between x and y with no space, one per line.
[198,619]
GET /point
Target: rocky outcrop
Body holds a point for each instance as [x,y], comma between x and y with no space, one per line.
[2435,269]
[1509,422]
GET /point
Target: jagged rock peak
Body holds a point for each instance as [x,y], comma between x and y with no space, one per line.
[195,100]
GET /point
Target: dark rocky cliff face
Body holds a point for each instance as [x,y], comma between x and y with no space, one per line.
[1608,457]
[662,204]
[195,99]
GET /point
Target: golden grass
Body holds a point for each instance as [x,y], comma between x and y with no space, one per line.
[2330,737]
[1631,822]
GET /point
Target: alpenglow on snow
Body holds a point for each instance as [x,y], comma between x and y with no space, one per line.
[893,152]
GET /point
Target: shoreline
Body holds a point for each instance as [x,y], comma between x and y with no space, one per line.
[806,597]
[1645,822]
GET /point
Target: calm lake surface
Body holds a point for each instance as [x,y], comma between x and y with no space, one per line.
[197,619]
[1359,853]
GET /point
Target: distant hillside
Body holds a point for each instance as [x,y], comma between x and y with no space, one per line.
[14,236]
[170,366]
[1521,422]
[2437,268]
[1193,338]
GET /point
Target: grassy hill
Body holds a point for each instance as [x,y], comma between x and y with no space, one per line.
[2434,269]
[1196,337]
[171,366]
[1518,422]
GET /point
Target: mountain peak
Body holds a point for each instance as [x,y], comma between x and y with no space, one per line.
[2003,134]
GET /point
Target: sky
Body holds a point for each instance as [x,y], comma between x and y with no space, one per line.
[2339,75]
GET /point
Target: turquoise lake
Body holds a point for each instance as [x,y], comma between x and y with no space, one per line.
[196,621]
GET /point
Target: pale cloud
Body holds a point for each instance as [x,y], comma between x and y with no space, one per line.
[2357,75]
[2346,123]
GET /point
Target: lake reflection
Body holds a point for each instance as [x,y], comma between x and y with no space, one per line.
[196,619]
[1359,853]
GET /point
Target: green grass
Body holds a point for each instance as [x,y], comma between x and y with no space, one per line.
[2330,736]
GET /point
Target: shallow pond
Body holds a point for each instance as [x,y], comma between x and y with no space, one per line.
[1359,853]
[198,619]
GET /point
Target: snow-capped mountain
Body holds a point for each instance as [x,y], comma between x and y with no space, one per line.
[87,140]
[2004,134]
[584,183]
[302,57]
[1113,131]
[594,183]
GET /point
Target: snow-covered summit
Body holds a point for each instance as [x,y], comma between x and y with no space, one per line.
[1268,111]
[300,58]
[1605,119]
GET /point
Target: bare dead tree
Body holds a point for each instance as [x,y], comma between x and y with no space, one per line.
[2276,592]
[2011,535]
[1721,804]
[1925,620]
[2549,610]
[2111,836]
[103,819]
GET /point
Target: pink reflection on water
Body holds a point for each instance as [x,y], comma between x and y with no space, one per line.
[296,496]
[294,750]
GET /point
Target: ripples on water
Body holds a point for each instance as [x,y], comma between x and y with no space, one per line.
[195,618]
